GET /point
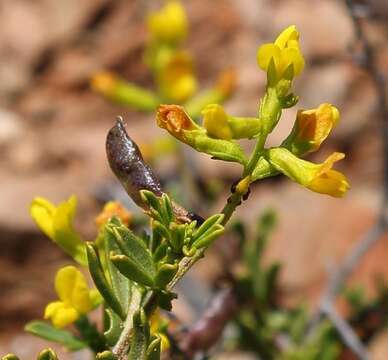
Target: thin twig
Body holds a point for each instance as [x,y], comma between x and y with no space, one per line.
[346,332]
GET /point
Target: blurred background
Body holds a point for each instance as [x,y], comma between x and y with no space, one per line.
[53,127]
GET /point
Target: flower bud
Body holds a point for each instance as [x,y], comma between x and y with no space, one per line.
[215,121]
[284,52]
[169,24]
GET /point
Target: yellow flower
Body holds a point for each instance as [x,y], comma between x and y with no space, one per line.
[75,298]
[113,208]
[169,24]
[319,178]
[176,79]
[157,324]
[329,181]
[284,52]
[311,128]
[57,223]
[215,121]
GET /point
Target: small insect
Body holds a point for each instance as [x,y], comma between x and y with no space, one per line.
[134,174]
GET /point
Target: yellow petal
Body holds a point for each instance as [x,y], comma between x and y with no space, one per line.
[169,23]
[72,289]
[288,34]
[292,56]
[64,234]
[65,214]
[267,52]
[42,212]
[61,314]
[215,121]
[331,183]
[316,124]
[52,308]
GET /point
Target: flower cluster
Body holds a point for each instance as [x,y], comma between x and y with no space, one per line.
[172,68]
[282,61]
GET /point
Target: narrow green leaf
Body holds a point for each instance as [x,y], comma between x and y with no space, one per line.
[47,354]
[177,237]
[153,351]
[120,284]
[151,199]
[132,270]
[101,282]
[106,355]
[113,327]
[160,252]
[140,337]
[167,211]
[208,224]
[206,239]
[134,248]
[165,274]
[10,357]
[60,336]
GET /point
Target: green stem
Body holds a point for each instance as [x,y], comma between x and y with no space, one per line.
[120,350]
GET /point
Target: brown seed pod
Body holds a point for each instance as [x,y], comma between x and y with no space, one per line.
[128,165]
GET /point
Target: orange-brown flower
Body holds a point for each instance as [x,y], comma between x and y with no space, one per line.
[113,208]
[174,119]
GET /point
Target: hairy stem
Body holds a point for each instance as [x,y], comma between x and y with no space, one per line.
[120,350]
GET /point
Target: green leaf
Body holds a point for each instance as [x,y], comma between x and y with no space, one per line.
[153,351]
[161,252]
[166,208]
[47,354]
[10,357]
[177,236]
[140,338]
[133,270]
[137,263]
[151,199]
[134,248]
[165,274]
[101,282]
[206,239]
[120,284]
[106,355]
[113,327]
[60,336]
[207,225]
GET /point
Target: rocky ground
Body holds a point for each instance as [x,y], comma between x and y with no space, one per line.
[52,130]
